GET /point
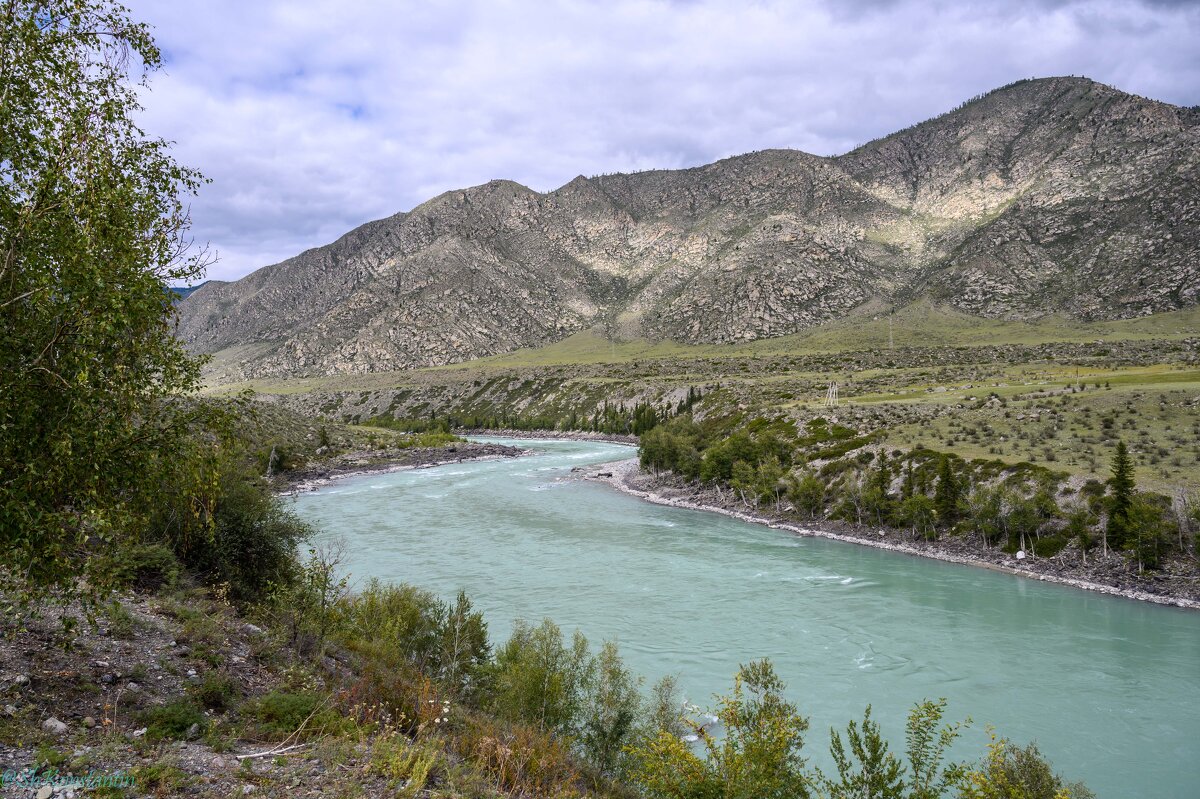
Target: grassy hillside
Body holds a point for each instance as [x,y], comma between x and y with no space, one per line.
[1052,390]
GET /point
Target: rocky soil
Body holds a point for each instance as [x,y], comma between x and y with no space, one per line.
[78,702]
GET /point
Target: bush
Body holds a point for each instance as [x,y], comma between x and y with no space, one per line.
[281,714]
[759,754]
[174,721]
[539,680]
[397,625]
[254,540]
[521,759]
[159,779]
[408,765]
[611,711]
[121,623]
[1015,772]
[1049,546]
[217,692]
[141,567]
[243,536]
[431,439]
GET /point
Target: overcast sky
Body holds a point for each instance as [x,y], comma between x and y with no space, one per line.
[314,117]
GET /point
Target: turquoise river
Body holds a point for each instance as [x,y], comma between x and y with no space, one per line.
[1106,686]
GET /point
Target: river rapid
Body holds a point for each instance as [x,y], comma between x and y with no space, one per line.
[1106,686]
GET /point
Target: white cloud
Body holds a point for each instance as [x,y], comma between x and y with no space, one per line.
[313,117]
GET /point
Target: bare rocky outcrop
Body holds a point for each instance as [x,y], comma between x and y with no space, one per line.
[1056,195]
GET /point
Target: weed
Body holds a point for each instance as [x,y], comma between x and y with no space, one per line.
[217,692]
[306,715]
[177,720]
[408,765]
[121,623]
[161,778]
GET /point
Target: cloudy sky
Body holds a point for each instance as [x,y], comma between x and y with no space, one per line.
[313,117]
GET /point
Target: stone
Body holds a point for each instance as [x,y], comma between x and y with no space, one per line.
[45,792]
[54,726]
[89,722]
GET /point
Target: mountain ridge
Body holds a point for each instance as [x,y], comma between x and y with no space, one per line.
[1054,195]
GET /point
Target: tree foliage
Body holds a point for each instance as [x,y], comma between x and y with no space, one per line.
[92,228]
[927,740]
[758,757]
[540,679]
[1121,485]
[1014,772]
[869,771]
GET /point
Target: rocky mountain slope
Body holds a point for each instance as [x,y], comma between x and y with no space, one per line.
[1056,195]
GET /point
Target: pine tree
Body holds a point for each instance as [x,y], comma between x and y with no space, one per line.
[1120,501]
[946,497]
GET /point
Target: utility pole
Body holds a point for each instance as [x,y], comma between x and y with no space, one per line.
[891,341]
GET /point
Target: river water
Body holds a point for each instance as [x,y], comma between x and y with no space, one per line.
[1106,686]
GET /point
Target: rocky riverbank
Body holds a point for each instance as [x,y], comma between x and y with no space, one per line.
[1110,574]
[573,435]
[360,462]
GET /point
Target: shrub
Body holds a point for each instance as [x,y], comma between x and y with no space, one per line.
[218,692]
[310,608]
[281,714]
[611,709]
[141,567]
[1014,772]
[868,770]
[539,680]
[520,758]
[159,779]
[121,623]
[408,765]
[174,721]
[397,625]
[465,651]
[759,754]
[431,439]
[1049,546]
[243,536]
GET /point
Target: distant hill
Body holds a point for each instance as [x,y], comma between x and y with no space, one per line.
[186,291]
[1056,195]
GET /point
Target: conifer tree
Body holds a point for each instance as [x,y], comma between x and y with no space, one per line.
[946,496]
[1121,484]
